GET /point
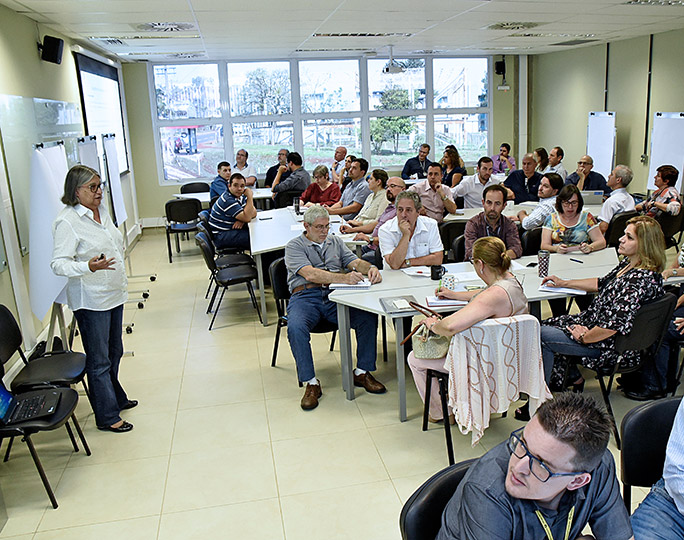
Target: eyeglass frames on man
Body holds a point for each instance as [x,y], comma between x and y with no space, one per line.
[538,468]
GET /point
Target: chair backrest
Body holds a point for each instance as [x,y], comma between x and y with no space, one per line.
[421,515]
[645,431]
[531,241]
[182,210]
[213,201]
[650,323]
[284,198]
[458,248]
[670,224]
[616,227]
[281,292]
[10,335]
[379,261]
[448,230]
[204,216]
[207,249]
[195,187]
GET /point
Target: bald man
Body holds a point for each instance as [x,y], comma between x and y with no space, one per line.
[523,184]
[586,179]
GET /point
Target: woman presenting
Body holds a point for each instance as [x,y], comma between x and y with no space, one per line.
[88,249]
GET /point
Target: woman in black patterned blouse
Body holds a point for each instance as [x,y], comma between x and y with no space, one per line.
[591,334]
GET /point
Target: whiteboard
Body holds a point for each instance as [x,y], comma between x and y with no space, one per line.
[114,180]
[601,141]
[667,135]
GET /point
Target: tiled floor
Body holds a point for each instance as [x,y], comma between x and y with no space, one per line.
[221,448]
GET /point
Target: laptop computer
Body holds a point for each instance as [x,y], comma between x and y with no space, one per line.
[14,410]
[593,196]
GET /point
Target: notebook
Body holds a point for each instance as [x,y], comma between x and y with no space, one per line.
[14,410]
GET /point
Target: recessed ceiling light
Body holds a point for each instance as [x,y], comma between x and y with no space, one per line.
[658,3]
[362,34]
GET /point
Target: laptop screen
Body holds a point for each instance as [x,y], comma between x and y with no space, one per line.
[5,401]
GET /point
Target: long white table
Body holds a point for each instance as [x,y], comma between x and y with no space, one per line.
[464,214]
[397,283]
[203,196]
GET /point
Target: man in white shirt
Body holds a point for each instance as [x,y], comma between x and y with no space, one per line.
[244,168]
[619,200]
[549,187]
[410,239]
[661,515]
[471,187]
[338,164]
[555,157]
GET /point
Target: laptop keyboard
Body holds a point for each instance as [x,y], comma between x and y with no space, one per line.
[28,408]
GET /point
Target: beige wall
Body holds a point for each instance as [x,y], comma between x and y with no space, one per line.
[504,123]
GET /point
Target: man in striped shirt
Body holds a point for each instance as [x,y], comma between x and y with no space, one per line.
[231,213]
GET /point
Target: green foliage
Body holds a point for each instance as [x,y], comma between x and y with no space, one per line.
[265,93]
[390,128]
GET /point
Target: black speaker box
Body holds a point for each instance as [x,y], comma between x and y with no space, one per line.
[499,67]
[52,49]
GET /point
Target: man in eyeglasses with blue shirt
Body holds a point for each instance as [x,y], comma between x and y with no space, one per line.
[548,480]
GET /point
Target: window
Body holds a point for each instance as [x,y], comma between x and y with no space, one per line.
[321,137]
[329,86]
[261,88]
[191,151]
[187,91]
[460,82]
[394,139]
[467,132]
[262,140]
[404,90]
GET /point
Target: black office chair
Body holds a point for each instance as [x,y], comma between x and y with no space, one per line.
[645,432]
[671,226]
[379,261]
[181,218]
[458,249]
[647,333]
[616,227]
[25,430]
[222,261]
[213,201]
[421,515]
[448,231]
[531,241]
[50,369]
[204,216]
[195,187]
[284,198]
[278,273]
[225,277]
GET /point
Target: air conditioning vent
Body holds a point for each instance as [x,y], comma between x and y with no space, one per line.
[574,42]
[164,27]
[512,26]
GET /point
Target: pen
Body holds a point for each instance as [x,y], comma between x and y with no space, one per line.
[577,261]
[264,218]
[440,285]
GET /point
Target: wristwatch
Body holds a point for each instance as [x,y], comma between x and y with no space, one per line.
[407,262]
[674,271]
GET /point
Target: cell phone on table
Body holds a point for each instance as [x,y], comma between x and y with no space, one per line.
[101,257]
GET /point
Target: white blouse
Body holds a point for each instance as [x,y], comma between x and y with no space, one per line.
[77,239]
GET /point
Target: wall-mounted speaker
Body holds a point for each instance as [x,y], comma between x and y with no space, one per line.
[500,67]
[51,49]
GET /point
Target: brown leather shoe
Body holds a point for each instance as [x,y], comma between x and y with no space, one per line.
[368,382]
[311,395]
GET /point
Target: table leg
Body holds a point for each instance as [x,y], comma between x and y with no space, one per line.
[262,293]
[401,368]
[535,309]
[343,326]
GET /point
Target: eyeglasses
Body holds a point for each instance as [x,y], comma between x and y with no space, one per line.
[94,187]
[394,186]
[320,228]
[537,467]
[570,203]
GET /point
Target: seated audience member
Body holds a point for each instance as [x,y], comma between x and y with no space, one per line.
[550,479]
[273,171]
[453,168]
[220,184]
[367,218]
[661,514]
[541,157]
[570,228]
[299,178]
[503,297]
[523,184]
[619,200]
[314,260]
[344,177]
[321,191]
[591,334]
[491,222]
[395,185]
[230,215]
[587,180]
[471,187]
[410,239]
[435,196]
[555,157]
[356,192]
[549,187]
[417,167]
[244,168]
[503,162]
[338,164]
[666,197]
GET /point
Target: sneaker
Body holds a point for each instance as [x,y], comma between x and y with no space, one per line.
[311,395]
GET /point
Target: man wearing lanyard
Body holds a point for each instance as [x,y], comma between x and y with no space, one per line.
[549,480]
[417,167]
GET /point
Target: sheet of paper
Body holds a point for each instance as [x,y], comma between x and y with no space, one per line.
[297,227]
[364,284]
[561,290]
[433,301]
[422,271]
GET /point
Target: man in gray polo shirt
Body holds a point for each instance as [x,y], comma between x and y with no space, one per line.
[355,194]
[549,480]
[314,260]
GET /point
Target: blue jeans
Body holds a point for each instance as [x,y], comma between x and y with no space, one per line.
[555,341]
[662,375]
[101,337]
[237,238]
[310,306]
[657,517]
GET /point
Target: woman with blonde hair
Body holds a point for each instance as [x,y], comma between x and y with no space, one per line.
[503,297]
